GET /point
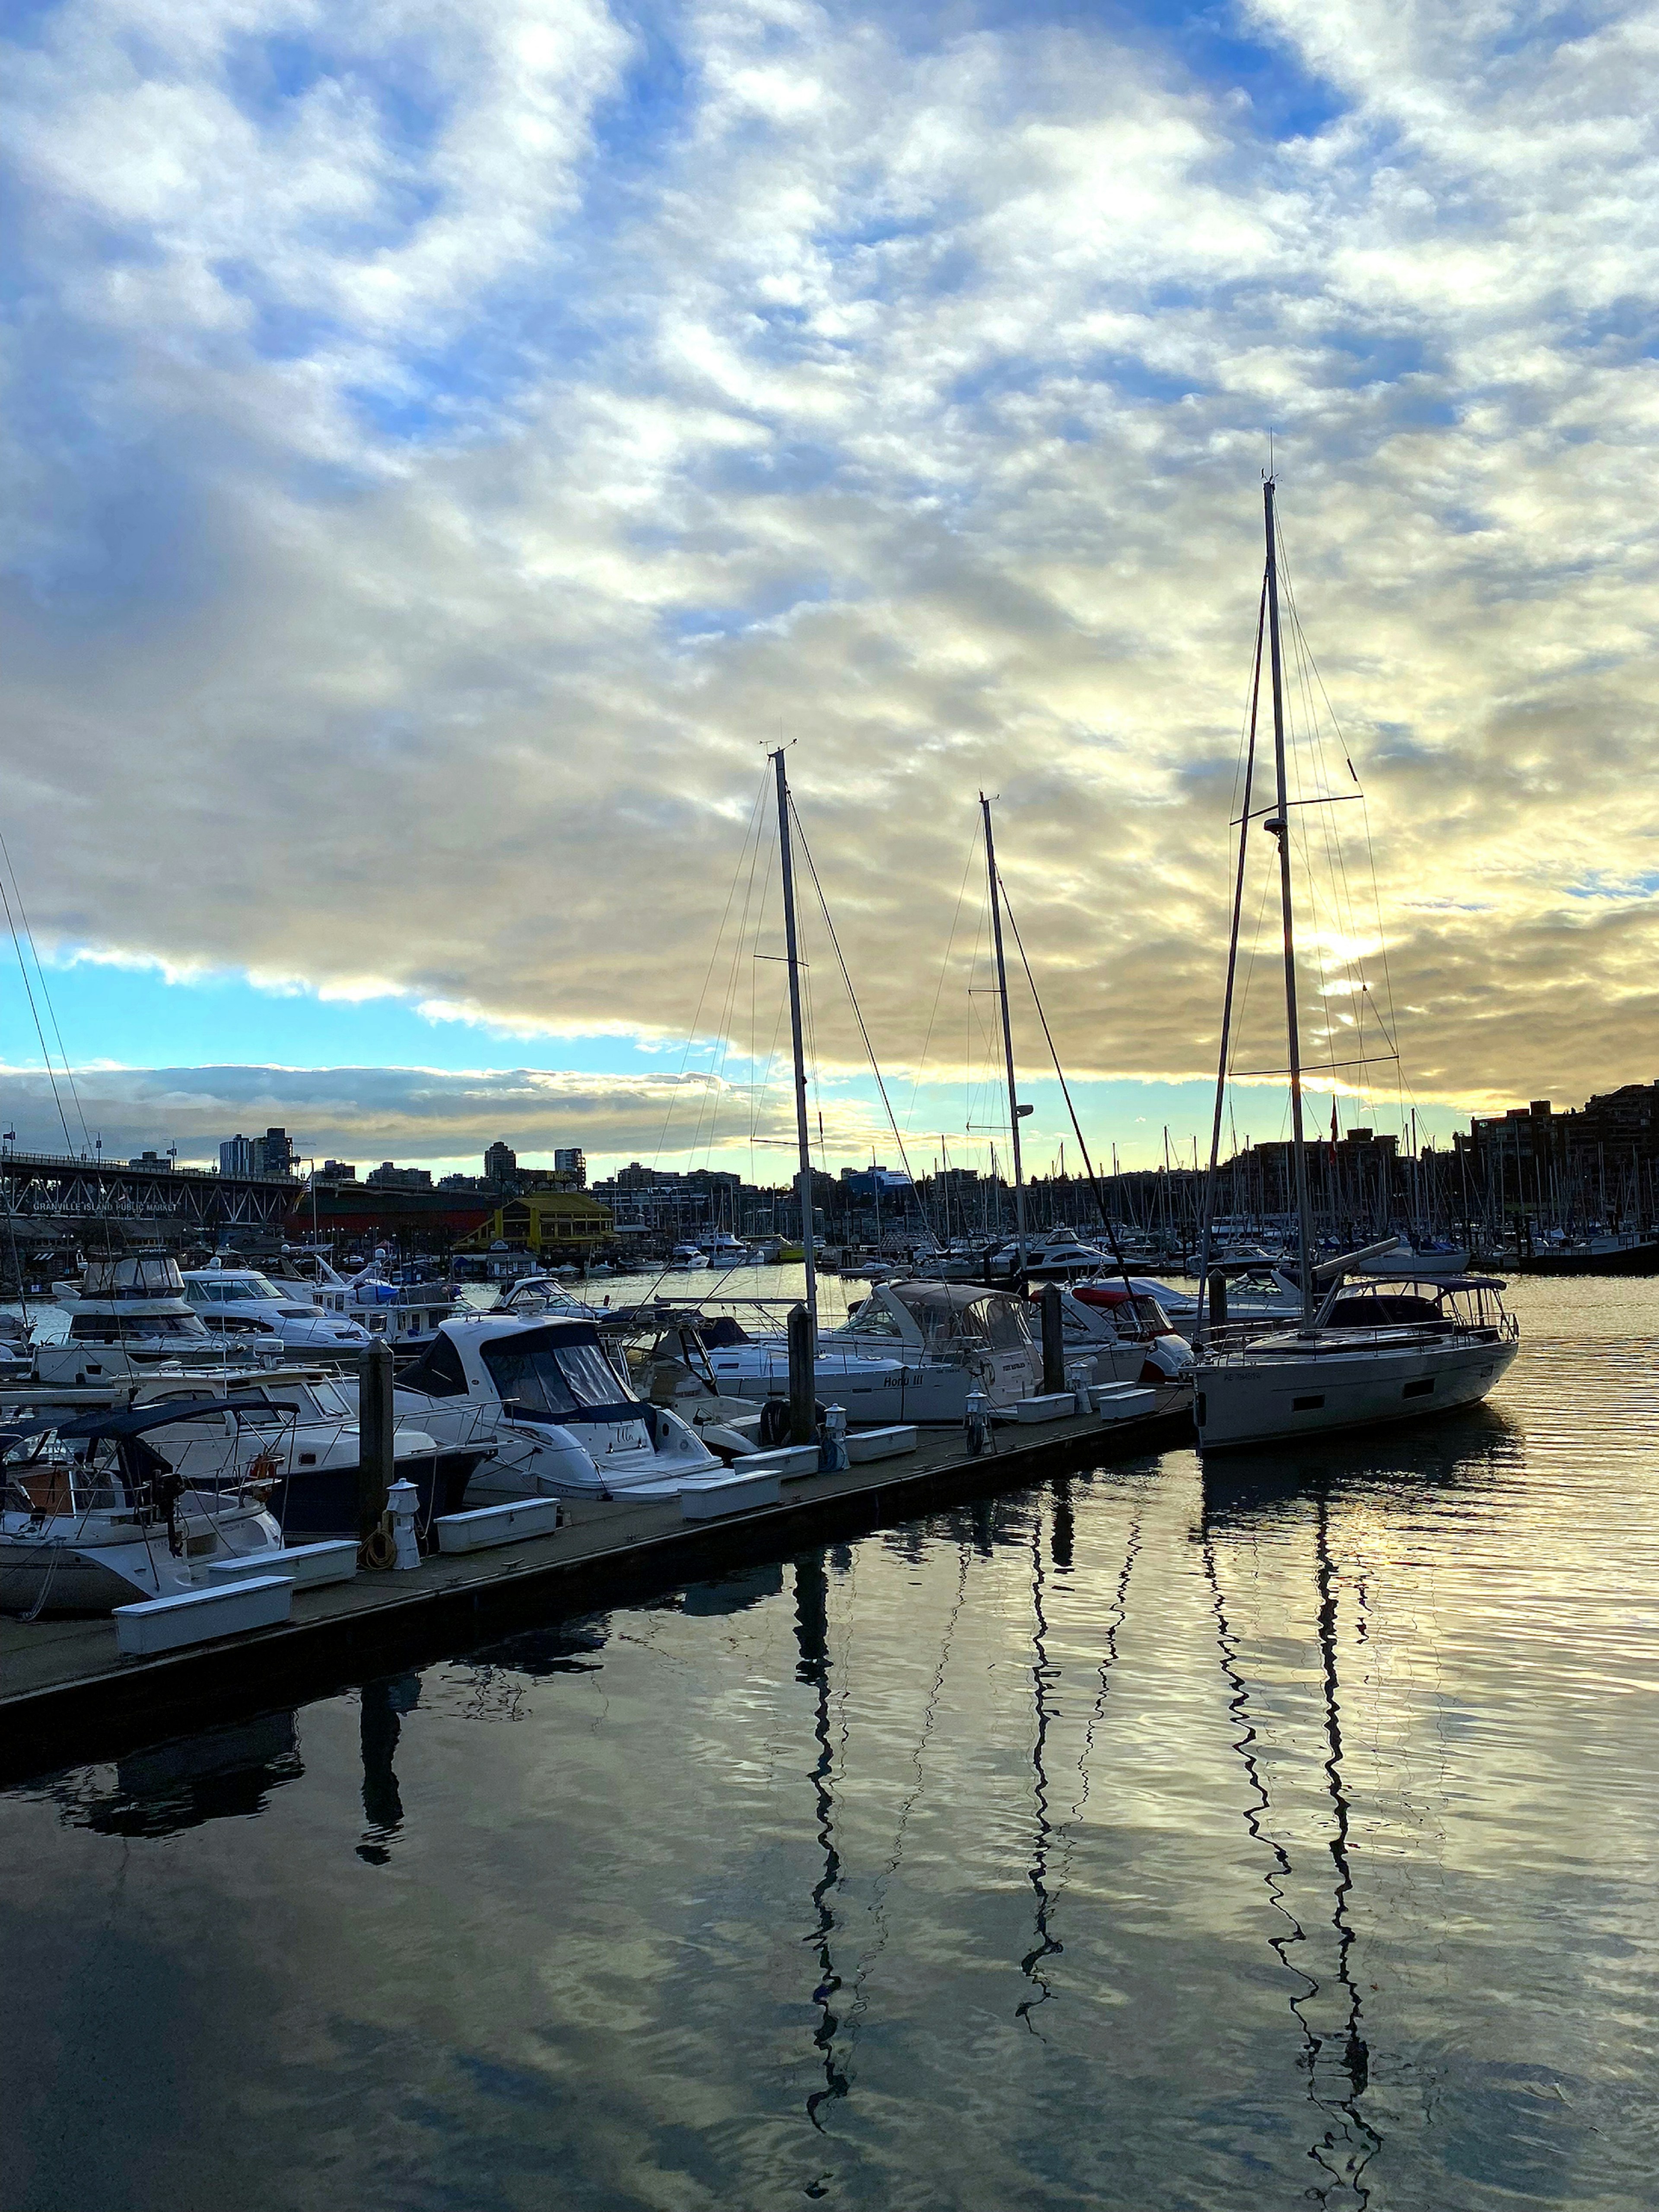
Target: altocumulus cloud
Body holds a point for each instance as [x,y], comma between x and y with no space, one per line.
[444,445]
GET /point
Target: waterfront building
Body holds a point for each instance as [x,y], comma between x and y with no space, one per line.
[388,1177]
[554,1224]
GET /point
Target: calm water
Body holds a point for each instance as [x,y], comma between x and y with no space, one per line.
[1114,1843]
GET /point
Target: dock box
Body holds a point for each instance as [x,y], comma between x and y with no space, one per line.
[879,1443]
[1052,1405]
[307,1566]
[1123,1401]
[710,1500]
[515,1522]
[169,1624]
[786,1459]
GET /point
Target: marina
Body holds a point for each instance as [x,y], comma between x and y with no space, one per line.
[828,1176]
[1134,1817]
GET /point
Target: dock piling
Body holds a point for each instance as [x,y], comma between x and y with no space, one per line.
[803,1389]
[376,1428]
[1054,1340]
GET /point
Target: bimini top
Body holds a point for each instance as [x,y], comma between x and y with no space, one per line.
[135,1420]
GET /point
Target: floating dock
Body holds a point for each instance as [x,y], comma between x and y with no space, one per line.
[66,1694]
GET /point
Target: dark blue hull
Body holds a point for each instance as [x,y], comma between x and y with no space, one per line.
[316,1502]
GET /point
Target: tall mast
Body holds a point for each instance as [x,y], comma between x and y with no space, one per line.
[1014,1108]
[1207,1229]
[1280,827]
[804,1177]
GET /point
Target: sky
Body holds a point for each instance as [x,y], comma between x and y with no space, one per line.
[444,449]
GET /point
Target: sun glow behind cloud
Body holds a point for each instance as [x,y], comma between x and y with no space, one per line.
[445,449]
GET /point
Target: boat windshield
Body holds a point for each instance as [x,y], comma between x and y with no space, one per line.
[544,1382]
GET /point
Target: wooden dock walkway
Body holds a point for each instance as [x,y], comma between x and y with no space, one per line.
[65,1695]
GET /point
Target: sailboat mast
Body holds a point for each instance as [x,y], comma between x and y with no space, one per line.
[1280,826]
[1007,1032]
[1207,1227]
[803,1179]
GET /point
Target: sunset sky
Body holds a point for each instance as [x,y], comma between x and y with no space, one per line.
[443,448]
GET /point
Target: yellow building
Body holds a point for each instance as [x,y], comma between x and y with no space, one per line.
[554,1225]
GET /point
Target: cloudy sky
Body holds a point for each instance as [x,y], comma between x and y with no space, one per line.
[444,447]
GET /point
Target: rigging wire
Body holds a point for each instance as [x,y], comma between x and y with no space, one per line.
[858,1012]
[45,993]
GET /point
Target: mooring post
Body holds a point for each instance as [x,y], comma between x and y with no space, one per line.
[1053,1339]
[1218,1298]
[376,1425]
[803,1383]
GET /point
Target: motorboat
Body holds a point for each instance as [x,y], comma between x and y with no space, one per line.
[293,1430]
[687,1258]
[536,1294]
[723,1251]
[405,1310]
[126,1317]
[1257,1291]
[909,1352]
[1056,1258]
[562,1421]
[1380,1351]
[1124,1333]
[93,1515]
[247,1306]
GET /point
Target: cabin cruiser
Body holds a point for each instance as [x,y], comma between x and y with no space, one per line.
[1380,1350]
[1059,1257]
[686,1259]
[723,1251]
[909,1352]
[560,1419]
[243,1304]
[544,1294]
[94,1515]
[1257,1291]
[294,1429]
[1124,1332]
[406,1312]
[124,1316]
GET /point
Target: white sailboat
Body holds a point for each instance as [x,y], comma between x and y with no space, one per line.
[1361,1355]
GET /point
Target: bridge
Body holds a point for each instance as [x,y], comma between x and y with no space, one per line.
[53,1197]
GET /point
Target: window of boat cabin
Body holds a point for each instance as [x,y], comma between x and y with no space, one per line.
[1001,1323]
[870,1317]
[542,1383]
[438,1371]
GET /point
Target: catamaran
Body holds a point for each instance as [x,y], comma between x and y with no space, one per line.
[1361,1354]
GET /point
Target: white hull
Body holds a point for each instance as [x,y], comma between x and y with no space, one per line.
[1268,1395]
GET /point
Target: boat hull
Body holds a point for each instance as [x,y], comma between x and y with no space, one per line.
[322,1501]
[1272,1399]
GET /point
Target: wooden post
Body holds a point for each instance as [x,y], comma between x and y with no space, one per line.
[1217,1299]
[803,1388]
[1053,1339]
[376,1424]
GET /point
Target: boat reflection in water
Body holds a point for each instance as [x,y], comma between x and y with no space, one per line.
[219,1774]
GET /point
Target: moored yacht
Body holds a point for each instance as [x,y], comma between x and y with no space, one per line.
[248,1309]
[126,1317]
[561,1419]
[1380,1351]
[92,1516]
[908,1352]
